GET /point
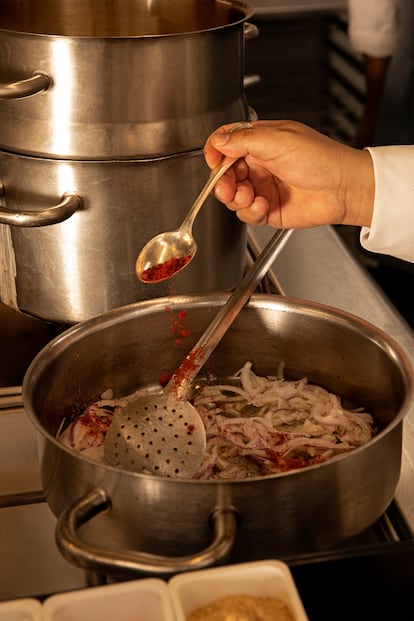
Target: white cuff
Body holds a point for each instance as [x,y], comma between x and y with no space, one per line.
[392,227]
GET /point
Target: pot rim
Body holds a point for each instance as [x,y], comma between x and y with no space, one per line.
[246,12]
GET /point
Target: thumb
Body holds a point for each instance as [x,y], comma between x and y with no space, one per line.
[220,139]
[235,142]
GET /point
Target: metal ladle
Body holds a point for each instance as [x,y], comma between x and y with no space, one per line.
[162,433]
[171,246]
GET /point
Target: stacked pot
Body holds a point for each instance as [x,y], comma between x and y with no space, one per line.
[104,110]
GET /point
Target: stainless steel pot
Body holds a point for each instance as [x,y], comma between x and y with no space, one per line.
[70,232]
[124,522]
[108,80]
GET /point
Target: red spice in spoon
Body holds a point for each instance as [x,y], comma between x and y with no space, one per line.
[161,271]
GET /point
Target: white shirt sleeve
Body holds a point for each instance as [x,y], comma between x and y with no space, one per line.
[392,227]
[373,26]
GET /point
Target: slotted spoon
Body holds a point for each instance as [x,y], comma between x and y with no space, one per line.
[162,433]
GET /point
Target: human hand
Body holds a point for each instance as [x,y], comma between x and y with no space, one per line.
[288,175]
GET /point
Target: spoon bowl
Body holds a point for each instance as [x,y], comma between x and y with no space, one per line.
[165,255]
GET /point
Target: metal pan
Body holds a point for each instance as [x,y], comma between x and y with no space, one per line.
[124,522]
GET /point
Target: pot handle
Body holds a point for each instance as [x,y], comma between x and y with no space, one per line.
[24,88]
[69,203]
[132,562]
[251,80]
[250,31]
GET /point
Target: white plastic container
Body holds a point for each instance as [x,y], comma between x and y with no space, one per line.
[147,599]
[26,609]
[272,578]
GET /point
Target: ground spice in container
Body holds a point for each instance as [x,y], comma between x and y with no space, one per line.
[243,608]
[161,271]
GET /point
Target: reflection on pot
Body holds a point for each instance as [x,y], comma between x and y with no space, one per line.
[78,78]
[85,264]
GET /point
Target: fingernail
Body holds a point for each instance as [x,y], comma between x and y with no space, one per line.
[220,139]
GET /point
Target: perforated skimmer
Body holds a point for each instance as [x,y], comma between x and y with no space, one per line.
[157,433]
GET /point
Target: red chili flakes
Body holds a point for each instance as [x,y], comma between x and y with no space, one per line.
[161,271]
[164,379]
[177,327]
[294,461]
[188,364]
[179,331]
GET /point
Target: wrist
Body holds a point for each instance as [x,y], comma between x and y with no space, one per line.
[360,189]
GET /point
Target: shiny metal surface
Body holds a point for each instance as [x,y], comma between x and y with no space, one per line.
[95,19]
[126,79]
[134,562]
[67,206]
[157,434]
[37,83]
[316,265]
[121,351]
[85,265]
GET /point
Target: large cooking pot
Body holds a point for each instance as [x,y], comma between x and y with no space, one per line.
[105,80]
[125,522]
[70,232]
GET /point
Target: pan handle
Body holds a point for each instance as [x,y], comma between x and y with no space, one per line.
[133,562]
[250,31]
[37,83]
[69,203]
